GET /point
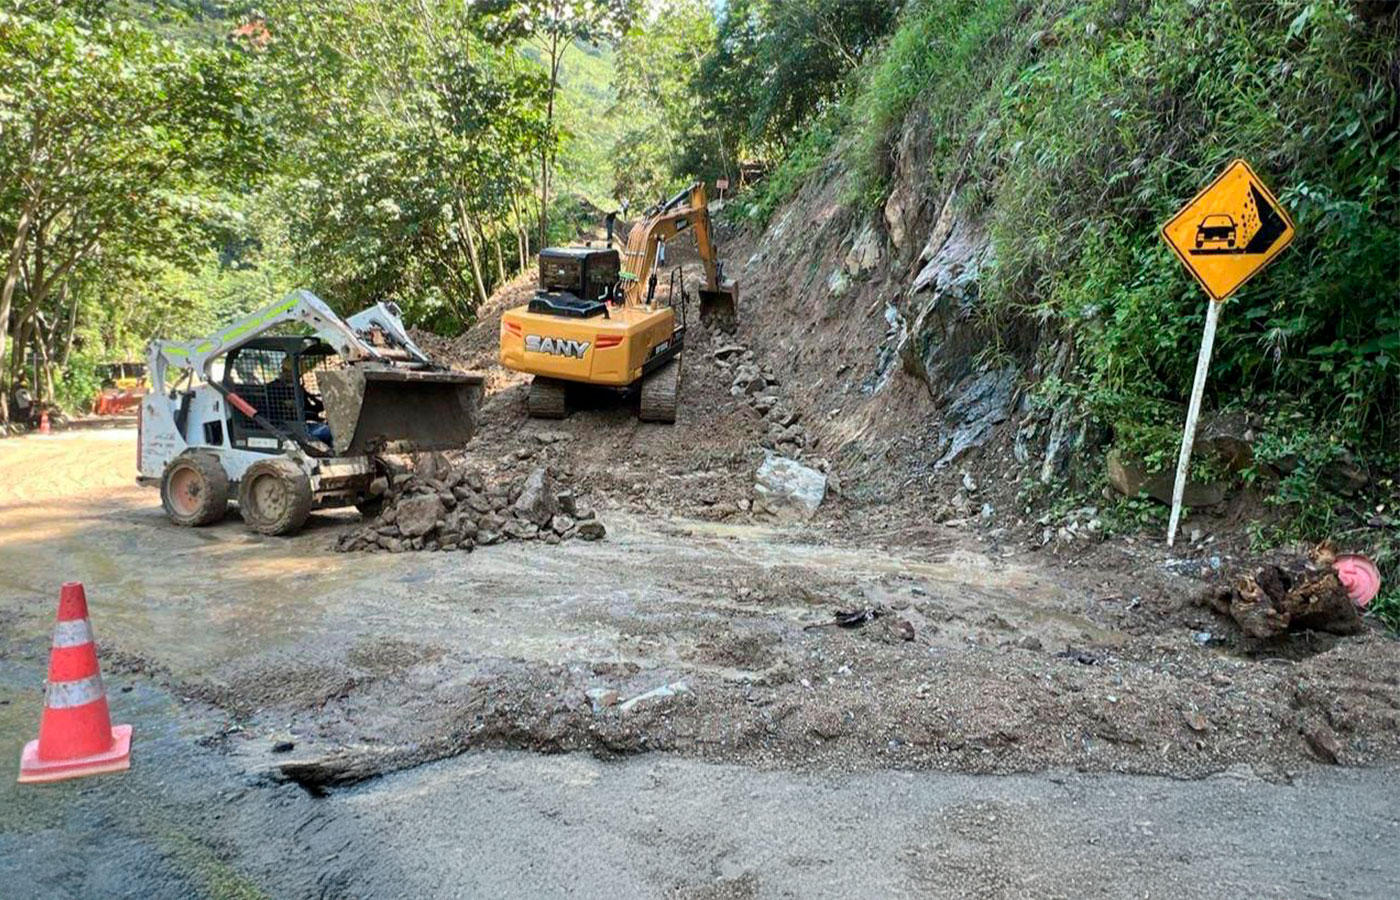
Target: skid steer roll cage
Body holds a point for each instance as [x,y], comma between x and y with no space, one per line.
[373,335]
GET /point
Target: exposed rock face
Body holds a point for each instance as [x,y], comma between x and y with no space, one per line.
[980,402]
[785,486]
[944,338]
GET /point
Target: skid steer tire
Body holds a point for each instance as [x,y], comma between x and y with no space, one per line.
[661,394]
[274,497]
[371,507]
[194,490]
[549,398]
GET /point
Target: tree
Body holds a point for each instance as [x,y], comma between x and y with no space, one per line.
[657,61]
[408,145]
[553,27]
[112,141]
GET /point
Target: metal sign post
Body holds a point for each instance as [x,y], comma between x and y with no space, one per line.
[1225,236]
[1193,412]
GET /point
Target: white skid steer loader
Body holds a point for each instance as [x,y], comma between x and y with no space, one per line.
[286,424]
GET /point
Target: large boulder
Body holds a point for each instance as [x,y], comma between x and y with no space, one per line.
[1130,479]
[784,485]
[419,515]
[537,502]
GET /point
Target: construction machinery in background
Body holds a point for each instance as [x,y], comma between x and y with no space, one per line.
[293,422]
[597,318]
[123,386]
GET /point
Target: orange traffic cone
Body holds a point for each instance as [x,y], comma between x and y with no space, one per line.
[44,421]
[76,735]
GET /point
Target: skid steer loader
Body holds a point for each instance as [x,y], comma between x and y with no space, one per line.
[289,423]
[596,318]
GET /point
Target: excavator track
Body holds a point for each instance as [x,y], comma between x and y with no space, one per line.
[548,399]
[661,393]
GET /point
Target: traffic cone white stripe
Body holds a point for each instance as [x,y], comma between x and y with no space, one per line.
[74,633]
[65,694]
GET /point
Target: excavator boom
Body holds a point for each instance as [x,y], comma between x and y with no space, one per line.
[687,210]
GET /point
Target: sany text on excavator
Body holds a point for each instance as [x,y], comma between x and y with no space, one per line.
[597,320]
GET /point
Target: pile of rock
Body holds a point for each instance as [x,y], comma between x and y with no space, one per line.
[455,508]
[756,385]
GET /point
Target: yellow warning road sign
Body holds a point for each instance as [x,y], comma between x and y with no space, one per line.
[1229,231]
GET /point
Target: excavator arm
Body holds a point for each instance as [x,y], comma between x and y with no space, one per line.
[688,210]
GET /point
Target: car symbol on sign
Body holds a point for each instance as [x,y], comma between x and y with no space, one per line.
[1216,230]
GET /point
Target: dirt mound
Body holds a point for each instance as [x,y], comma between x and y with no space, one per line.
[1304,595]
[700,467]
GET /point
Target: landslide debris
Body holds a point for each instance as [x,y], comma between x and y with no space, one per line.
[443,506]
[1304,594]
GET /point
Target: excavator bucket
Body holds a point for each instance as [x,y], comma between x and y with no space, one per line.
[720,307]
[373,410]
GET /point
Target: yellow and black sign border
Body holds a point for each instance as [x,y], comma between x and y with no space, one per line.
[1273,251]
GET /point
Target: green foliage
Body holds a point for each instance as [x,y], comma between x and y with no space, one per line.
[949,59]
[774,67]
[117,145]
[409,142]
[657,60]
[811,152]
[1099,141]
[80,383]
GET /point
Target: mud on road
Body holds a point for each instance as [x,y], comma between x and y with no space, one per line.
[265,676]
[372,663]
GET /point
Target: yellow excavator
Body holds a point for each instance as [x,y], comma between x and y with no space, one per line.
[597,319]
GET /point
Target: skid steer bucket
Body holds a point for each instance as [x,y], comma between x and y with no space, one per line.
[720,307]
[373,410]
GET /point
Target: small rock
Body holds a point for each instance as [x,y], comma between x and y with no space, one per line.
[1195,720]
[521,530]
[592,530]
[283,747]
[602,698]
[1028,642]
[420,515]
[1323,743]
[660,693]
[561,524]
[537,501]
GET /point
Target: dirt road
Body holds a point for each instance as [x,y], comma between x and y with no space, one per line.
[220,645]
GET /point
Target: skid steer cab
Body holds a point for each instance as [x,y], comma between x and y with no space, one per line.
[288,423]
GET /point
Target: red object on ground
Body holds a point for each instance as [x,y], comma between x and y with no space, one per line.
[44,421]
[76,735]
[1359,576]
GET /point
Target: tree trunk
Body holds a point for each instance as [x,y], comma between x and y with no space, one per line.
[472,256]
[522,238]
[7,296]
[43,369]
[554,56]
[500,257]
[72,328]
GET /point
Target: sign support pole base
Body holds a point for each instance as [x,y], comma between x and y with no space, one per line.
[1193,412]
